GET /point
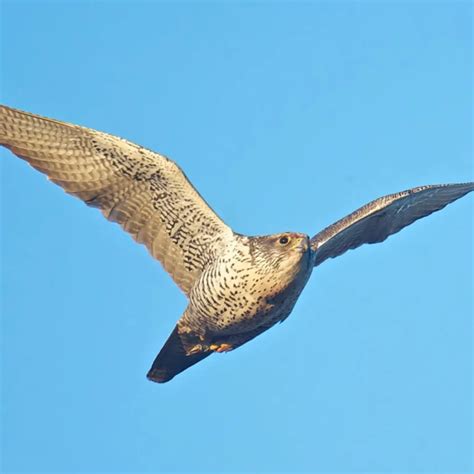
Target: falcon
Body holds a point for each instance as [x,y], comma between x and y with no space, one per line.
[237,286]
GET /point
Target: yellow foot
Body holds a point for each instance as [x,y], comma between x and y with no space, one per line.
[221,347]
[194,350]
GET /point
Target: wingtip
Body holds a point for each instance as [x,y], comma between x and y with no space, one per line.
[466,187]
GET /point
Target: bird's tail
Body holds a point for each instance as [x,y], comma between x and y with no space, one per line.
[172,359]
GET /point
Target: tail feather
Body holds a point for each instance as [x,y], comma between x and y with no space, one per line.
[172,359]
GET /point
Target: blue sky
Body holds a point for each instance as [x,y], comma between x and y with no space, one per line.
[286,116]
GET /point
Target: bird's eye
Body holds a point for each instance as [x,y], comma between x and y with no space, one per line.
[283,240]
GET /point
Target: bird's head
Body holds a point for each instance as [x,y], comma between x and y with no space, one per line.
[285,255]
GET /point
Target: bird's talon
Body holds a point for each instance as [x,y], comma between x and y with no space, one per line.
[221,347]
[194,350]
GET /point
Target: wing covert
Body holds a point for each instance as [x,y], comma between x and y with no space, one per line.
[383,217]
[146,193]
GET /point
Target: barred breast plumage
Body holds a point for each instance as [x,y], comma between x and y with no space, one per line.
[237,286]
[250,284]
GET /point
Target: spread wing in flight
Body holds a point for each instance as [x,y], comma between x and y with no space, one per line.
[383,217]
[146,193]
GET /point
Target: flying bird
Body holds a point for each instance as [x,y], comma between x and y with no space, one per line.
[238,286]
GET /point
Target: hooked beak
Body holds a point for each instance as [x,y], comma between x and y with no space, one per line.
[303,245]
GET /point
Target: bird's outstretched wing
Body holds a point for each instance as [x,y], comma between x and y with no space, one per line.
[146,193]
[385,216]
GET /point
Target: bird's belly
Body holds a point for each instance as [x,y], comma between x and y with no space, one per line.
[236,306]
[237,312]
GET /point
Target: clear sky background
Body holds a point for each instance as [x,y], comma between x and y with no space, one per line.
[285,116]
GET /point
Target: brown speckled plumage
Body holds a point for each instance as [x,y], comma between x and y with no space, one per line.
[237,286]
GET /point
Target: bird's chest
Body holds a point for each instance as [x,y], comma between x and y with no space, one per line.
[236,297]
